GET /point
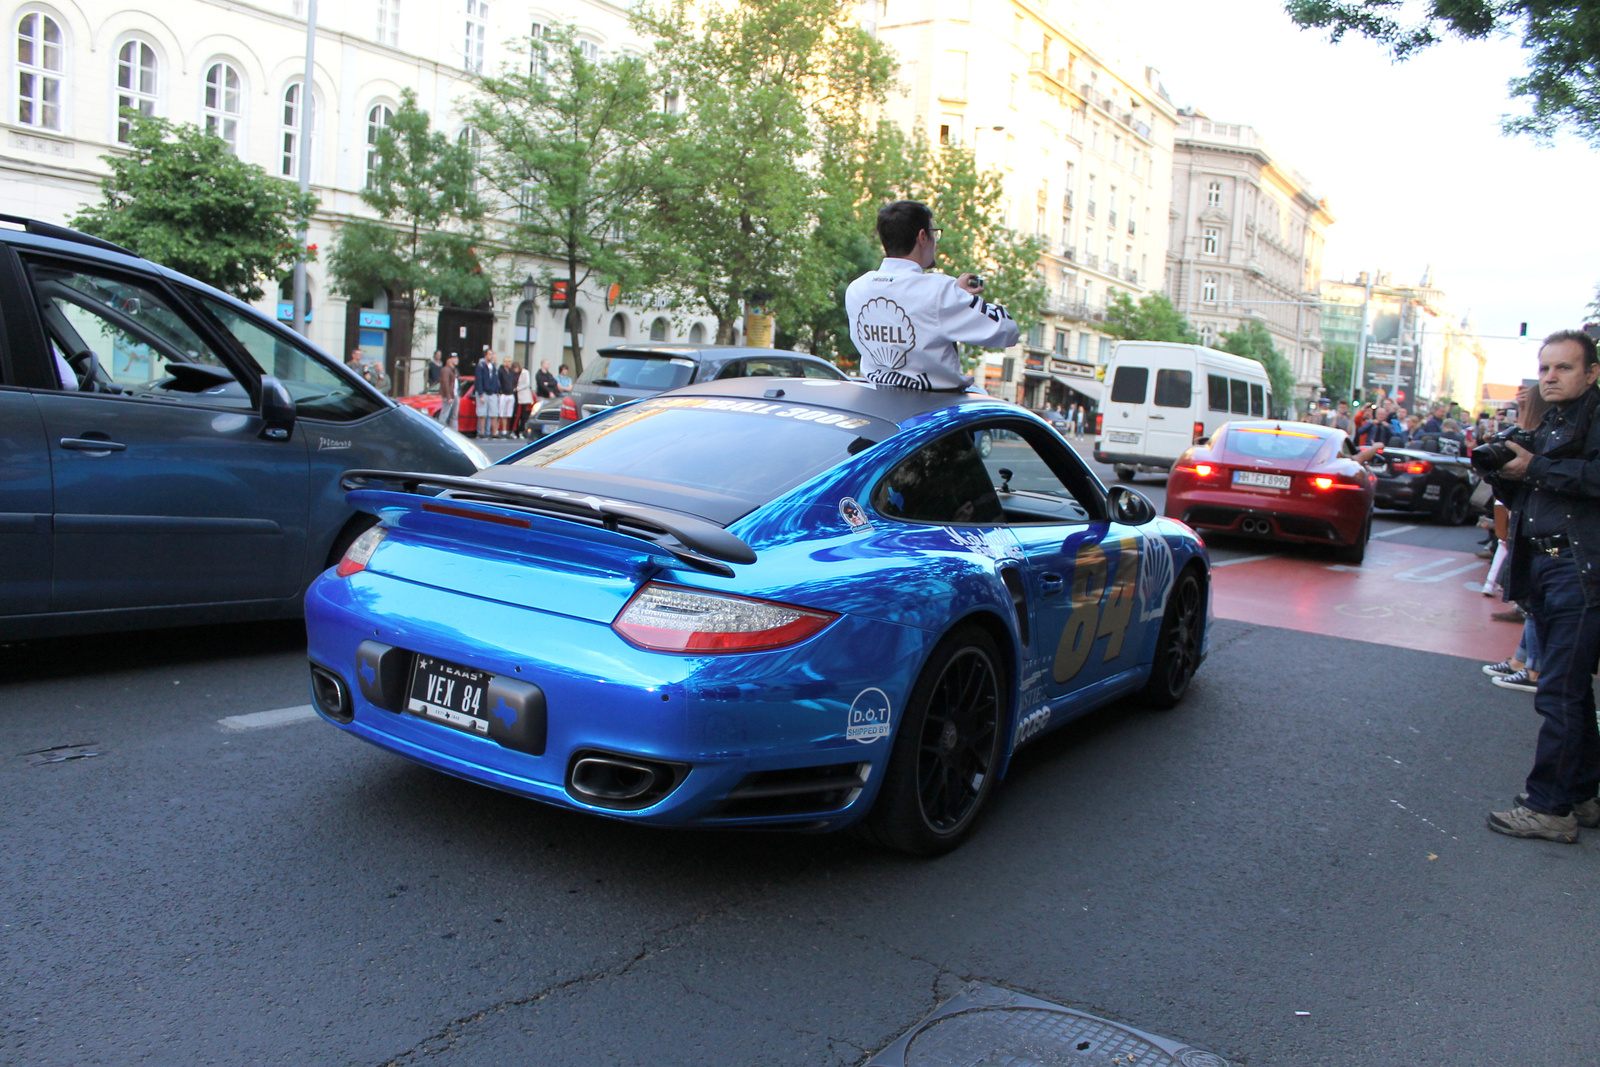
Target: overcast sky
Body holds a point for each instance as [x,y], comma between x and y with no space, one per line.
[1409,156]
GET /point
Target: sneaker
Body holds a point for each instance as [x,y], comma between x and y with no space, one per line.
[1513,614]
[1525,822]
[1521,680]
[1587,813]
[1486,552]
[1500,669]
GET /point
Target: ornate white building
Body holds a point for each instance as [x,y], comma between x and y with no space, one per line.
[237,68]
[1085,149]
[1247,235]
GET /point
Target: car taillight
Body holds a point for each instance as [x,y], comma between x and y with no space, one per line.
[1323,481]
[1415,466]
[569,408]
[1099,420]
[1199,433]
[1200,470]
[360,551]
[668,618]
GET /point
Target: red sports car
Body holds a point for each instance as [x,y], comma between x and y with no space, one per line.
[1288,481]
[466,410]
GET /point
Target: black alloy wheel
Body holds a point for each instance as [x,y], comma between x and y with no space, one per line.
[1356,551]
[946,748]
[1178,645]
[1456,508]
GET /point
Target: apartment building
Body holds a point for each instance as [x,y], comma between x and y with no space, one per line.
[1246,241]
[237,69]
[1084,148]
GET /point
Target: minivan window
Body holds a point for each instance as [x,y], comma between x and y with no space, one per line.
[1217,388]
[1173,388]
[1256,393]
[627,371]
[1239,393]
[1130,385]
[319,391]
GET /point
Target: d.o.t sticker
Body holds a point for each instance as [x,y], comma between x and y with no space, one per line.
[869,717]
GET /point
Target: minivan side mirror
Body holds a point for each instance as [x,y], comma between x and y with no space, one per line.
[1129,507]
[277,410]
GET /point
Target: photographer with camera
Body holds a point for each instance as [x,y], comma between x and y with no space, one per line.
[1550,480]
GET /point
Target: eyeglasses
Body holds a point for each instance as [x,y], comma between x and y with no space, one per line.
[935,232]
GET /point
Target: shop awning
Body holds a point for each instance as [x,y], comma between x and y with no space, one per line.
[1090,388]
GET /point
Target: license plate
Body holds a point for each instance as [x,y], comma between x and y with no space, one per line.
[1123,437]
[1265,481]
[449,693]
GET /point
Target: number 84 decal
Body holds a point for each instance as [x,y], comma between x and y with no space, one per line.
[1102,606]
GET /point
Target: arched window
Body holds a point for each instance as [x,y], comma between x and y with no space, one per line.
[697,334]
[658,330]
[379,116]
[136,85]
[1208,334]
[41,65]
[220,105]
[1208,289]
[289,158]
[619,325]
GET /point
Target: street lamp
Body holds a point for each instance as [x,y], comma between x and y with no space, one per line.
[530,291]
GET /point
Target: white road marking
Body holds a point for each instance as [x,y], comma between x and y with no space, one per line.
[1392,532]
[260,720]
[1420,573]
[1241,559]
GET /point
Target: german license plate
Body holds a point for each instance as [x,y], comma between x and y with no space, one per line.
[1264,481]
[449,693]
[1123,437]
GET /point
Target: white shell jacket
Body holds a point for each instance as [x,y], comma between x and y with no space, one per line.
[906,325]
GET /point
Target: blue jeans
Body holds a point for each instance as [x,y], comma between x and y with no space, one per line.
[1527,652]
[1566,764]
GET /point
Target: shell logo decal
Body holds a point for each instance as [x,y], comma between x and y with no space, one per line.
[884,329]
[1155,581]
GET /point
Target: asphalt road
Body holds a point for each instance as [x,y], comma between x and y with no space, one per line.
[1290,868]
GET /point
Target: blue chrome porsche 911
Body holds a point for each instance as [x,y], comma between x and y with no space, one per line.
[777,602]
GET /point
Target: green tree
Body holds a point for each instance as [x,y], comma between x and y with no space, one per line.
[423,246]
[181,198]
[1338,362]
[763,81]
[1561,38]
[573,143]
[1153,318]
[1252,341]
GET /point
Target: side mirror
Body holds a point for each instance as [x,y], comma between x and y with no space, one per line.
[1130,507]
[277,410]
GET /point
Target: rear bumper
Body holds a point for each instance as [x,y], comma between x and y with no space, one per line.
[727,718]
[1134,459]
[1286,518]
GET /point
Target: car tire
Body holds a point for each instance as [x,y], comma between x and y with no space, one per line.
[950,734]
[358,524]
[1356,551]
[1456,508]
[1178,644]
[1124,474]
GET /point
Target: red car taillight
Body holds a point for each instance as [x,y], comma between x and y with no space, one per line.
[1202,470]
[1415,466]
[569,408]
[1199,433]
[669,618]
[1323,481]
[1099,420]
[360,551]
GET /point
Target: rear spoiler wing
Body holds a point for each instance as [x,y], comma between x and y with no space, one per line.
[703,545]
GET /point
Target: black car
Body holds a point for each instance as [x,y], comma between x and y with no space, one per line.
[171,455]
[1415,479]
[631,371]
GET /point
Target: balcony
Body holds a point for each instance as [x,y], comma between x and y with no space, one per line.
[1091,261]
[1069,253]
[1111,219]
[1133,277]
[1091,209]
[1111,269]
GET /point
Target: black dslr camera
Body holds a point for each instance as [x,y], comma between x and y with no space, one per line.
[1496,451]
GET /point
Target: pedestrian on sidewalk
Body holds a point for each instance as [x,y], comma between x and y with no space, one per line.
[1553,492]
[448,400]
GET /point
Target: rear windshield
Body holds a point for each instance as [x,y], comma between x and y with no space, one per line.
[638,372]
[1129,385]
[1266,442]
[709,456]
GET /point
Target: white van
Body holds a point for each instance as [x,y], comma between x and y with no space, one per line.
[1161,398]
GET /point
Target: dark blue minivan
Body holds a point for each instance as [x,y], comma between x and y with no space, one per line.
[169,455]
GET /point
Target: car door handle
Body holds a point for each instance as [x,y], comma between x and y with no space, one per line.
[1162,417]
[89,444]
[1050,584]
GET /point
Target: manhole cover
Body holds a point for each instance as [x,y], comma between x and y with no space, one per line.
[987,1026]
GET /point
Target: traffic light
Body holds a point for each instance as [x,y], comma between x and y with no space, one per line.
[560,294]
[1524,331]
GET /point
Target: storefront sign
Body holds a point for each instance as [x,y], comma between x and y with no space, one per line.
[1069,369]
[373,320]
[286,312]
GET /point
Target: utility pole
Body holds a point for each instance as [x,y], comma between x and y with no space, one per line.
[1358,369]
[307,95]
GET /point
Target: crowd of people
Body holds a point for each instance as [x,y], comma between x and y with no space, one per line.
[1445,428]
[505,394]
